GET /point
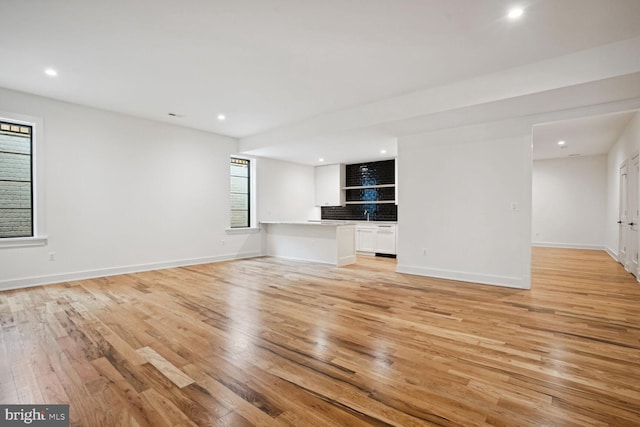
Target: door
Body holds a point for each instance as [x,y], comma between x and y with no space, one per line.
[623,219]
[365,239]
[386,240]
[632,215]
[629,216]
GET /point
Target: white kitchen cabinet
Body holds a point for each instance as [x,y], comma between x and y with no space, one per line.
[386,240]
[376,238]
[365,238]
[329,185]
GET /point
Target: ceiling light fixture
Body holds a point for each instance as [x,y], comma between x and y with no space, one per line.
[562,143]
[321,159]
[383,151]
[515,13]
[51,72]
[222,117]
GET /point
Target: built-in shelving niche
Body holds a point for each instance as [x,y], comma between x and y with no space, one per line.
[370,190]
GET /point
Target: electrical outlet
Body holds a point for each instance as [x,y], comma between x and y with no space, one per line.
[222,242]
[52,256]
[424,251]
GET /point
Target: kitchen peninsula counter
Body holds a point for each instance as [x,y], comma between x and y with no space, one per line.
[327,242]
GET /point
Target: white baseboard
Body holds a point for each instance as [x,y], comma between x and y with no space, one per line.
[569,246]
[613,254]
[484,279]
[28,282]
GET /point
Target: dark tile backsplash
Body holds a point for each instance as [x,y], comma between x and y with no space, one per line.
[370,173]
[371,194]
[361,174]
[377,212]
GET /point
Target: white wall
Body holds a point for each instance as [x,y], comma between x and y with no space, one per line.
[124,194]
[285,191]
[627,146]
[569,202]
[456,219]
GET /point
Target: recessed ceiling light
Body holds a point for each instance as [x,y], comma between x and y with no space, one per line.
[562,143]
[515,13]
[321,159]
[222,117]
[383,151]
[51,72]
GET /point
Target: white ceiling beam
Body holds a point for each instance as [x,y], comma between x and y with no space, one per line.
[604,62]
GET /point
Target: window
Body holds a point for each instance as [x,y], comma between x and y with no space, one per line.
[22,197]
[240,191]
[16,180]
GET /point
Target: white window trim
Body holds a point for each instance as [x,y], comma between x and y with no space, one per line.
[23,242]
[39,237]
[243,230]
[253,210]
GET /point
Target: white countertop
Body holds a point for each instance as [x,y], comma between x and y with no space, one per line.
[330,222]
[318,222]
[357,222]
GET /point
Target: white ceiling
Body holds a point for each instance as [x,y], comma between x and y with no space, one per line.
[270,64]
[586,136]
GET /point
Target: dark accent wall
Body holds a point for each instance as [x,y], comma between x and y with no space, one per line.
[372,194]
[377,212]
[361,174]
[371,173]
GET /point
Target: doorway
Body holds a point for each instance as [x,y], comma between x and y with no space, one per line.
[629,213]
[586,174]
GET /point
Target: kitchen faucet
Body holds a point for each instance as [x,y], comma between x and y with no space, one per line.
[366,212]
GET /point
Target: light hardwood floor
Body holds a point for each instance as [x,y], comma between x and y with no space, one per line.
[277,343]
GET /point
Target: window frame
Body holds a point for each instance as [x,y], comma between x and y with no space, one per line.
[252,197]
[39,235]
